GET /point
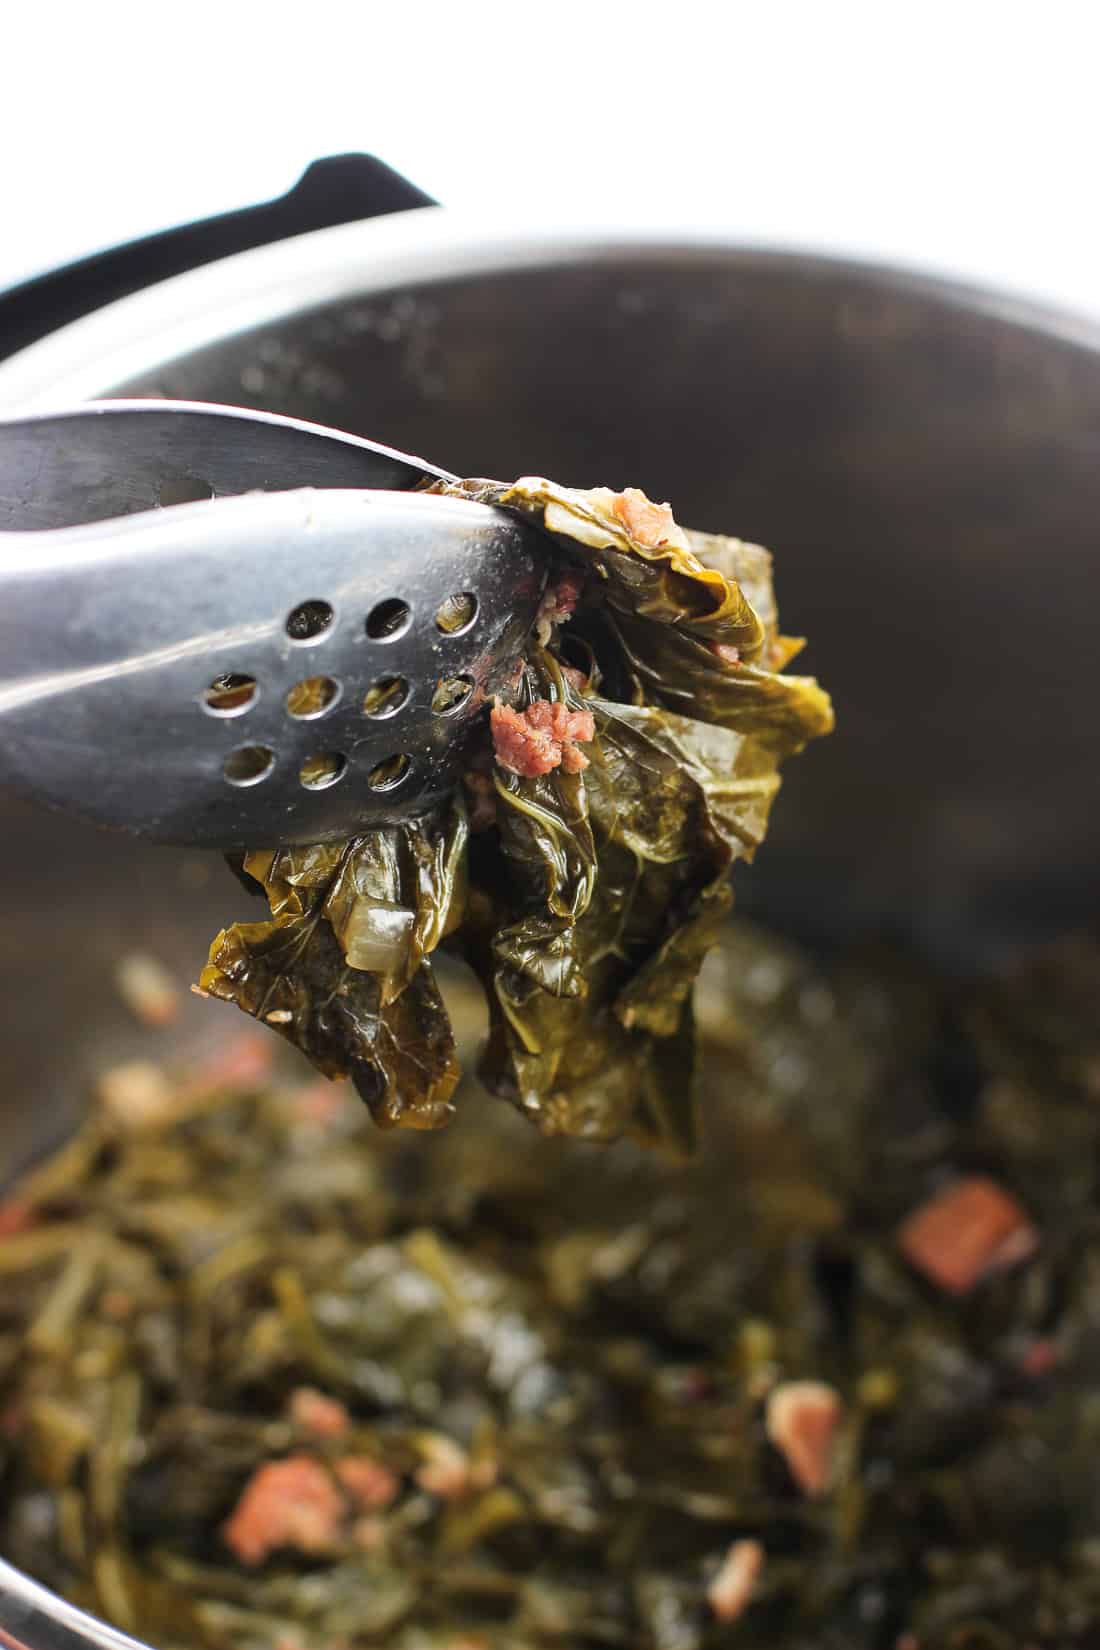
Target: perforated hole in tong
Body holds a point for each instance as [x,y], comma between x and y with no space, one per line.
[451,694]
[385,697]
[312,697]
[390,773]
[230,694]
[309,620]
[388,620]
[248,765]
[323,769]
[455,615]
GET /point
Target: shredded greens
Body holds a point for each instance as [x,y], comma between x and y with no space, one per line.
[585,896]
[270,1377]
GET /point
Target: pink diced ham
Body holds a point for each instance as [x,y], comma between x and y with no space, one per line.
[541,738]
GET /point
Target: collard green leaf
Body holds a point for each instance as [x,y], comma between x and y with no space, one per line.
[671,804]
[593,889]
[668,668]
[341,970]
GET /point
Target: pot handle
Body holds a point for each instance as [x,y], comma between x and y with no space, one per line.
[338,189]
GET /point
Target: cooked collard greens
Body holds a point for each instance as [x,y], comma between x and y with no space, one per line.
[272,1379]
[582,870]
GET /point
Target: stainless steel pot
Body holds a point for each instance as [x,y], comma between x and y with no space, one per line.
[921,456]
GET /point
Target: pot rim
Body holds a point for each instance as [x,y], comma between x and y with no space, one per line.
[139,333]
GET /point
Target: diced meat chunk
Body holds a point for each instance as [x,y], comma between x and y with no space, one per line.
[541,738]
[148,989]
[1039,1358]
[726,653]
[730,1593]
[558,604]
[520,746]
[566,594]
[289,1503]
[137,1095]
[649,525]
[369,1484]
[801,1419]
[965,1233]
[573,760]
[369,1534]
[445,1468]
[318,1414]
[561,722]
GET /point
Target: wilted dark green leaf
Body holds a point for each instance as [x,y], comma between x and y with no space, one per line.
[593,896]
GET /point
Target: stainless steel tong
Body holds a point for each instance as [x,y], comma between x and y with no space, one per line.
[220,627]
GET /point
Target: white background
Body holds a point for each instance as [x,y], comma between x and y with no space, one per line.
[960,136]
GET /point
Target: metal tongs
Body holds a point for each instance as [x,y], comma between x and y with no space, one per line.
[223,628]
